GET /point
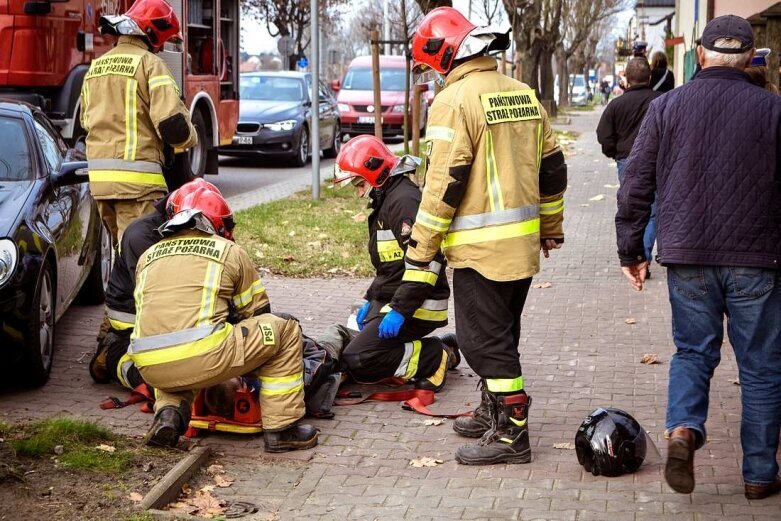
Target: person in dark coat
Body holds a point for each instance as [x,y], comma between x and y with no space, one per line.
[716,167]
[619,124]
[662,79]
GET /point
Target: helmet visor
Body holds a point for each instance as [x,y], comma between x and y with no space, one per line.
[344,178]
[406,165]
[174,45]
[422,73]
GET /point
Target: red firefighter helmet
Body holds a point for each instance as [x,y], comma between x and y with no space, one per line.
[202,208]
[176,197]
[437,38]
[366,157]
[153,19]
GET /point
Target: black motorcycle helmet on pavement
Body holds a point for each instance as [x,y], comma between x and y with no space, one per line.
[610,442]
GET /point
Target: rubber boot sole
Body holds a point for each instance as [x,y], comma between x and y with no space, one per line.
[163,437]
[678,471]
[517,458]
[292,445]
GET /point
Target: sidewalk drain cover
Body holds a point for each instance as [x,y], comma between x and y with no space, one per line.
[237,509]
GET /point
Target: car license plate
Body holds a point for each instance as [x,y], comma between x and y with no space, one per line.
[243,140]
[366,119]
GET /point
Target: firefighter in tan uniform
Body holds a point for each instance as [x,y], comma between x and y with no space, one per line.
[493,197]
[131,109]
[186,286]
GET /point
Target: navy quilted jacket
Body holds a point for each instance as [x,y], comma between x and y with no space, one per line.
[711,149]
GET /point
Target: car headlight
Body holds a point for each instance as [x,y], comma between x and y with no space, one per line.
[281,125]
[8,257]
[343,107]
[397,108]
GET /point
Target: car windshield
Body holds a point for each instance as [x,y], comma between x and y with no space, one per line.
[271,88]
[361,79]
[577,81]
[15,160]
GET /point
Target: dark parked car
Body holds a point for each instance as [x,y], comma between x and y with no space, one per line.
[275,115]
[53,244]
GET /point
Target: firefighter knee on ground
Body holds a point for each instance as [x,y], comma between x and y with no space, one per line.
[182,340]
[394,324]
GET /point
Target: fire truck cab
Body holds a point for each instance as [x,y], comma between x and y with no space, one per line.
[46,47]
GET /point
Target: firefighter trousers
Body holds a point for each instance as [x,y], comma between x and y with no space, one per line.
[119,213]
[488,325]
[267,346]
[369,358]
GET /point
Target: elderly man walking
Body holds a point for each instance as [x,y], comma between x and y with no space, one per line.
[712,152]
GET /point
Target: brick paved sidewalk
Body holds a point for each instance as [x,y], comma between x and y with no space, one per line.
[577,352]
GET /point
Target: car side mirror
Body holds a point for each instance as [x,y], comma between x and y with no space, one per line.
[336,85]
[70,173]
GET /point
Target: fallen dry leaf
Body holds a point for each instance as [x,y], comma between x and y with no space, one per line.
[106,448]
[206,504]
[598,197]
[288,258]
[585,205]
[612,186]
[434,421]
[322,236]
[215,469]
[223,481]
[359,217]
[543,285]
[315,244]
[206,488]
[292,233]
[630,321]
[187,489]
[735,381]
[425,461]
[345,254]
[259,254]
[566,446]
[135,496]
[650,358]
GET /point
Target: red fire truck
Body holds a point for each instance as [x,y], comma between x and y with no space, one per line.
[46,47]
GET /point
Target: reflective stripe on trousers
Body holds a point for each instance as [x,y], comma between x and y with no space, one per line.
[409,363]
[504,385]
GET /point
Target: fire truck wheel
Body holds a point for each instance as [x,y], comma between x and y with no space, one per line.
[198,152]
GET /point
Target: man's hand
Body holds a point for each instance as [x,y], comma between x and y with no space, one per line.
[549,244]
[391,324]
[636,274]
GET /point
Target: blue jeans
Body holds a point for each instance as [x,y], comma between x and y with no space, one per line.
[700,297]
[649,238]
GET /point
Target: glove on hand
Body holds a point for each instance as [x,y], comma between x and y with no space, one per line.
[361,316]
[391,324]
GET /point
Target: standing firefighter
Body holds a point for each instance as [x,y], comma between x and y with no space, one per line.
[182,340]
[393,323]
[493,198]
[132,111]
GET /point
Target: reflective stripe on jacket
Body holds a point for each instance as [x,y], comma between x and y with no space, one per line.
[394,207]
[487,140]
[181,314]
[128,93]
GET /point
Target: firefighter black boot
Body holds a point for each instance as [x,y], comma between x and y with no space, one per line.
[295,437]
[170,422]
[508,439]
[451,346]
[478,424]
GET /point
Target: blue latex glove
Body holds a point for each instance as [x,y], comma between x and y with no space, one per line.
[361,316]
[391,324]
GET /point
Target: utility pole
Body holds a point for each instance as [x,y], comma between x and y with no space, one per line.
[314,124]
[386,26]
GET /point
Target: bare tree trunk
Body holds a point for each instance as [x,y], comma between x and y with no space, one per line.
[546,75]
[428,5]
[563,70]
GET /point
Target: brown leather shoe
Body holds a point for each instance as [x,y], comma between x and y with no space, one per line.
[763,491]
[679,470]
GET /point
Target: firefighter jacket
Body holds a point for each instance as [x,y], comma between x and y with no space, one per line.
[131,108]
[424,296]
[185,287]
[495,176]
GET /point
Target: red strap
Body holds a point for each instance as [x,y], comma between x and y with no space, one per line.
[142,393]
[416,400]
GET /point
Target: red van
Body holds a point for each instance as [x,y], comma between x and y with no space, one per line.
[356,97]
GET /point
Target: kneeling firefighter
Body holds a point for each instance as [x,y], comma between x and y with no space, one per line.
[394,324]
[182,340]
